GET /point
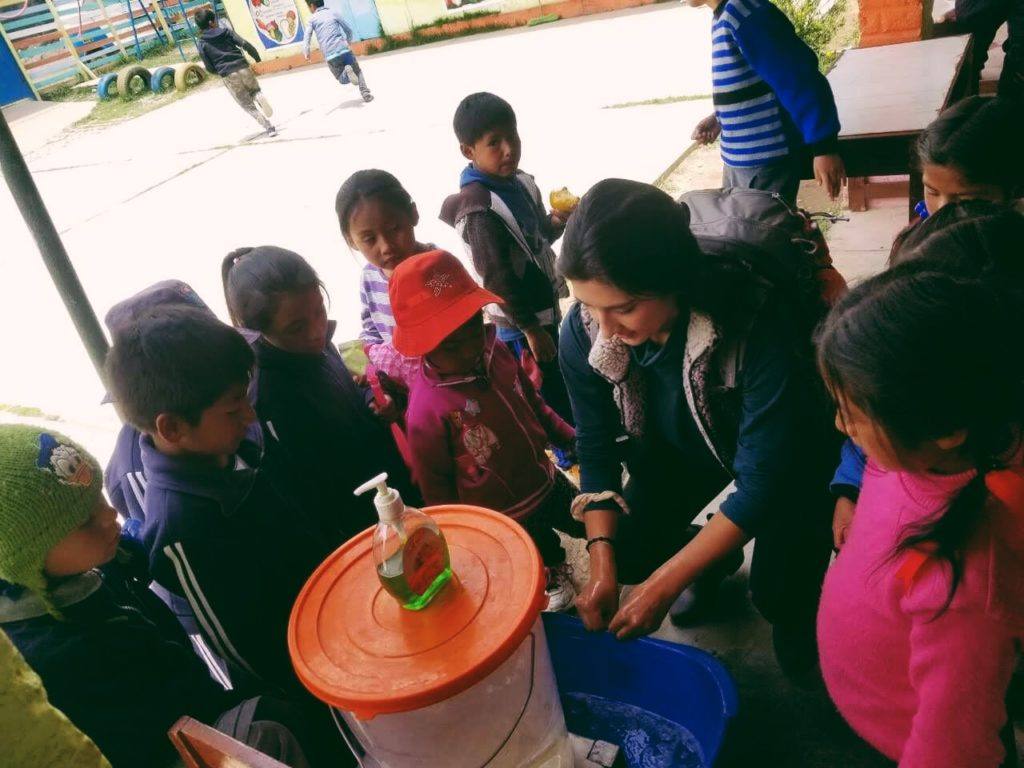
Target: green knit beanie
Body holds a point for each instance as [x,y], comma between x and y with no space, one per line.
[49,486]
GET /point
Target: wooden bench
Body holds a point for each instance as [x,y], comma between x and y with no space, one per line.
[201,746]
[887,95]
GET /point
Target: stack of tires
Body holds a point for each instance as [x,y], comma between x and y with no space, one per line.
[135,80]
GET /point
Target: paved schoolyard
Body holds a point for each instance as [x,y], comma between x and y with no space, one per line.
[169,193]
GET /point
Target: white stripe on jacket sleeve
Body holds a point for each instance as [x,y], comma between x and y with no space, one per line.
[204,613]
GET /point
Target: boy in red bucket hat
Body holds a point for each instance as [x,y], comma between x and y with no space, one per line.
[476,425]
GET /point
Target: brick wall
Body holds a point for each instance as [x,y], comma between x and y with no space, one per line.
[883,22]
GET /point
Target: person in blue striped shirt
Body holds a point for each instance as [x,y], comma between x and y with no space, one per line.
[772,104]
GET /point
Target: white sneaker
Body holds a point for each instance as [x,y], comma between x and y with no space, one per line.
[263,104]
[350,73]
[560,590]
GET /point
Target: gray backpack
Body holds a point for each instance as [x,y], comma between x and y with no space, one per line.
[757,231]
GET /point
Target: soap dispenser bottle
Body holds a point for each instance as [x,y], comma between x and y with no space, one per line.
[409,550]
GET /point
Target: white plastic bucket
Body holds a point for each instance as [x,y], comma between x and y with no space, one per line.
[510,719]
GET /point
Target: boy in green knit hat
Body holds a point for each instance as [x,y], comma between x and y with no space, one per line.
[111,671]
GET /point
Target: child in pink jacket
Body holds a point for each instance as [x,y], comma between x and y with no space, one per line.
[477,427]
[923,610]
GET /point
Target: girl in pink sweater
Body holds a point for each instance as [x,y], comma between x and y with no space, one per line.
[923,610]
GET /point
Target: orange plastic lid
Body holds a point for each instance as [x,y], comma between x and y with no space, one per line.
[354,647]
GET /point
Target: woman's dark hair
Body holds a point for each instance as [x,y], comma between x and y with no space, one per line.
[366,185]
[637,238]
[925,354]
[255,277]
[979,137]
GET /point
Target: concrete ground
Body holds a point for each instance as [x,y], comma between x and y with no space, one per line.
[170,193]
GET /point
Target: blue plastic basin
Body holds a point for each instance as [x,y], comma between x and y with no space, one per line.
[681,684]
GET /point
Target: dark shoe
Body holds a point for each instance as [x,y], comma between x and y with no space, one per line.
[367,97]
[698,601]
[796,650]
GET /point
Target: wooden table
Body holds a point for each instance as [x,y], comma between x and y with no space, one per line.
[888,94]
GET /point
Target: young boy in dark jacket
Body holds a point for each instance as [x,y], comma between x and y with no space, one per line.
[220,531]
[221,51]
[117,676]
[772,104]
[501,218]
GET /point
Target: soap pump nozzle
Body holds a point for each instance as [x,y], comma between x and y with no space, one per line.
[388,501]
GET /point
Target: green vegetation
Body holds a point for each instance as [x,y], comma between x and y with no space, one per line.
[820,30]
[662,100]
[439,30]
[28,412]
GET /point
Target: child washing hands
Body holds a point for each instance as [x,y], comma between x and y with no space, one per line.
[476,425]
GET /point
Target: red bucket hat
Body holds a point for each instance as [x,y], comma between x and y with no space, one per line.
[432,295]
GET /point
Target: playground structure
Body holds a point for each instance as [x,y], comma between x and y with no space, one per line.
[56,43]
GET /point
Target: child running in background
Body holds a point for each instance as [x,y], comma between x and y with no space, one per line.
[923,610]
[221,50]
[500,216]
[334,36]
[322,435]
[378,218]
[477,426]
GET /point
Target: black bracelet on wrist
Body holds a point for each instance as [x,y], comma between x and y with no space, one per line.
[596,539]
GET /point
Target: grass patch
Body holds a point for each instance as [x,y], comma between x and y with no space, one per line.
[117,109]
[662,100]
[440,30]
[28,412]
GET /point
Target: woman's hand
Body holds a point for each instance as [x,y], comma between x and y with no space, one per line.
[841,520]
[647,605]
[599,600]
[541,344]
[645,608]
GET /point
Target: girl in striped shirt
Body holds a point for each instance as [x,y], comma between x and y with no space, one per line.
[377,218]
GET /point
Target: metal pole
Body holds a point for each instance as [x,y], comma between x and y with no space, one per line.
[26,195]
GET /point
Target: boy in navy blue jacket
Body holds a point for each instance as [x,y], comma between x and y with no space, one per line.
[220,531]
[772,104]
